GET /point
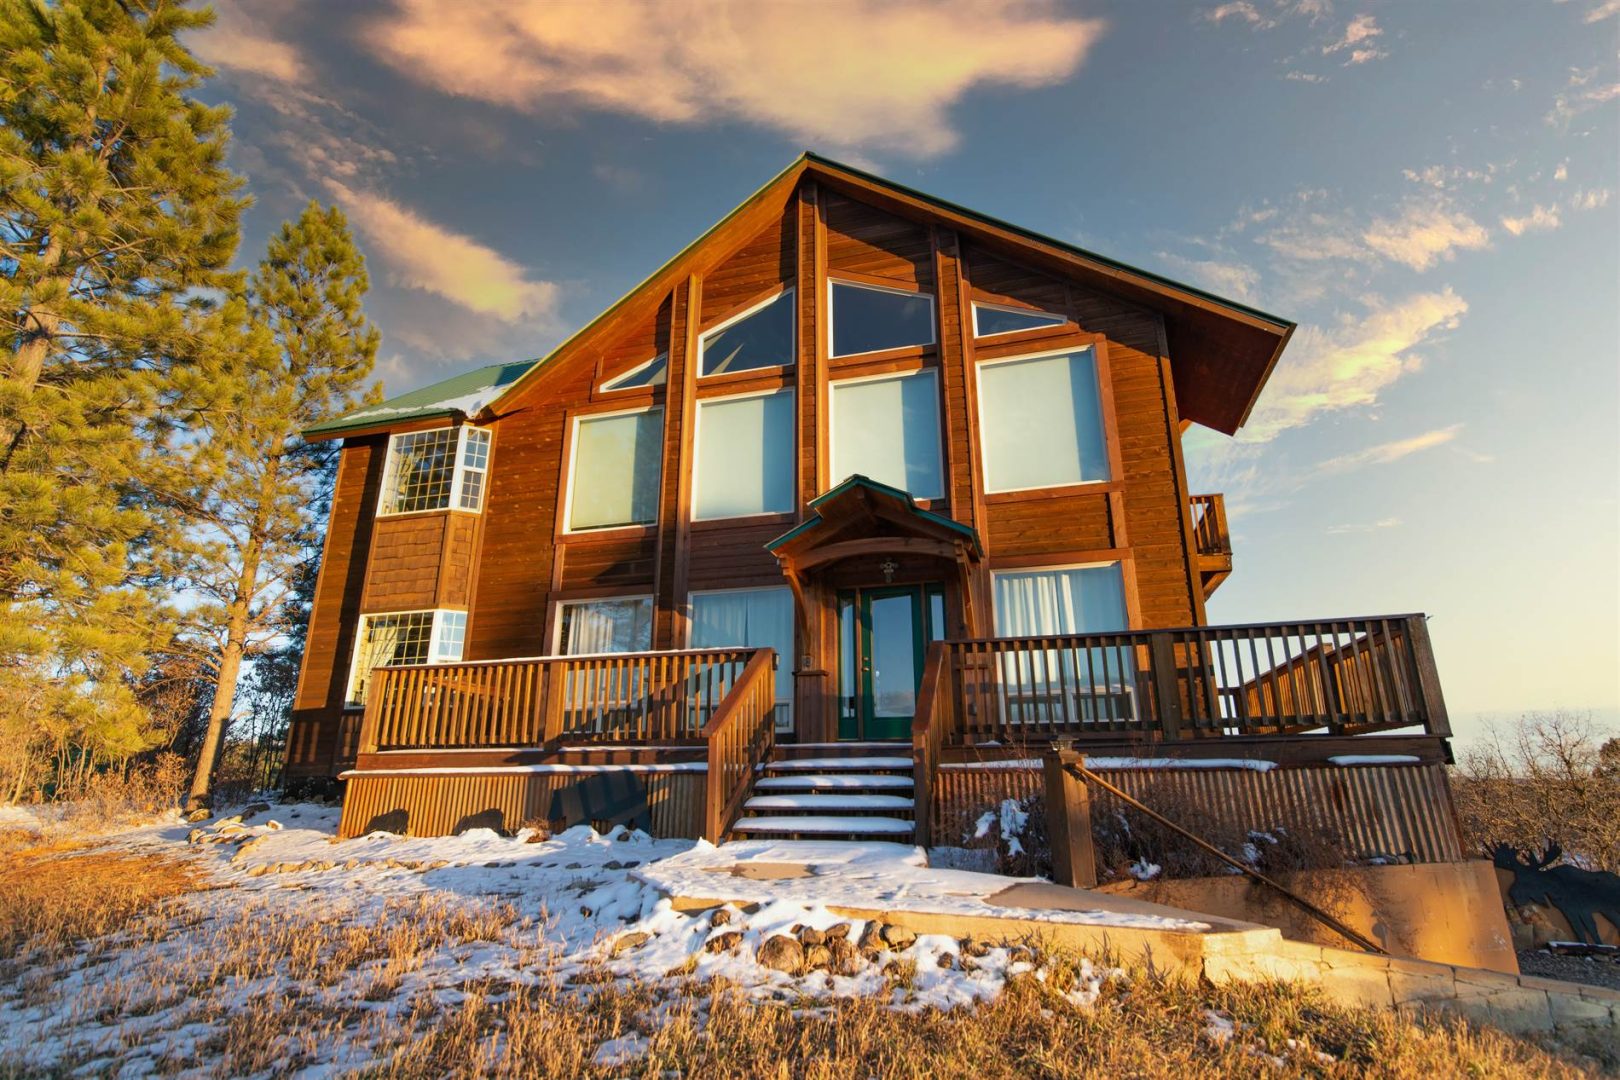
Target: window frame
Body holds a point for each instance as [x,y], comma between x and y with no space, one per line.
[939,435]
[1104,416]
[567,528]
[1062,320]
[697,457]
[731,320]
[933,317]
[557,619]
[435,637]
[453,499]
[611,386]
[788,661]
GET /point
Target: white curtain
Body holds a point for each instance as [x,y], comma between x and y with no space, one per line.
[744,456]
[1041,422]
[755,619]
[888,429]
[616,461]
[607,626]
[1100,682]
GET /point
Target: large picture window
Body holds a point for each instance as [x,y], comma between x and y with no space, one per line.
[406,637]
[760,337]
[614,480]
[755,619]
[888,429]
[619,625]
[1090,684]
[744,456]
[1040,418]
[435,470]
[868,318]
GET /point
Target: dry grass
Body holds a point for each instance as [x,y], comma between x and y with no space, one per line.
[381,987]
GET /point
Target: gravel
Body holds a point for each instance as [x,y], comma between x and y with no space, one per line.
[1591,970]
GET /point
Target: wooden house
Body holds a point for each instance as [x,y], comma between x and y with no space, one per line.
[821,529]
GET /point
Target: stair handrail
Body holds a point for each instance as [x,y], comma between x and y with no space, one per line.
[739,737]
[929,731]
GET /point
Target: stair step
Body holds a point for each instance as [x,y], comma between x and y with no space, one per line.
[833,826]
[836,764]
[830,804]
[834,782]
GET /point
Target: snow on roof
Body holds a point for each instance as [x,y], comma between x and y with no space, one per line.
[466,394]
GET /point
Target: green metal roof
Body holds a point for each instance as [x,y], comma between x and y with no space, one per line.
[858,480]
[462,395]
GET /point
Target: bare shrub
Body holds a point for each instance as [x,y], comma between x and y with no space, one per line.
[136,791]
[1546,776]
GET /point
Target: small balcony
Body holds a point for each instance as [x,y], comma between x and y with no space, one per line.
[1212,542]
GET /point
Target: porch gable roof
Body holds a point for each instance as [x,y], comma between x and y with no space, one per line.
[860,496]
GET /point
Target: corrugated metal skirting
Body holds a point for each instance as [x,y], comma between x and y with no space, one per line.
[437,805]
[1374,809]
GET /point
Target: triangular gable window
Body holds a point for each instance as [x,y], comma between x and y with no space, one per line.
[761,337]
[992,319]
[651,373]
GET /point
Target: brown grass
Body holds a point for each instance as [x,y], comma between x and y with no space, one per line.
[382,987]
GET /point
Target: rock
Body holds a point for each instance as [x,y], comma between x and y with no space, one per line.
[721,917]
[844,960]
[781,953]
[946,961]
[898,937]
[634,939]
[196,836]
[202,813]
[871,938]
[817,957]
[613,864]
[272,824]
[809,936]
[259,871]
[723,942]
[234,819]
[840,930]
[252,809]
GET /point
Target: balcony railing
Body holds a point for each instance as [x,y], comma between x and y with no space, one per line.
[1341,677]
[1210,534]
[646,698]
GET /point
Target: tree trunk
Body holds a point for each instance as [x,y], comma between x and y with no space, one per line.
[230,667]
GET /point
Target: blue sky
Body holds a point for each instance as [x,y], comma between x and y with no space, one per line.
[1428,189]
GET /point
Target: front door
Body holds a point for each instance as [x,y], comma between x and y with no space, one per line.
[883,632]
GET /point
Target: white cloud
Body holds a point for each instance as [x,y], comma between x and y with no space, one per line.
[1241,10]
[1305,76]
[1580,95]
[1230,279]
[1562,172]
[239,42]
[847,73]
[1424,234]
[1537,220]
[420,254]
[1364,527]
[1603,9]
[1591,199]
[1358,34]
[1388,452]
[1350,364]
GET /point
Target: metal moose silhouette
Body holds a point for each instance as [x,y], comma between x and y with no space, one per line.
[1579,894]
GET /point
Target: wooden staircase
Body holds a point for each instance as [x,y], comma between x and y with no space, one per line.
[832,791]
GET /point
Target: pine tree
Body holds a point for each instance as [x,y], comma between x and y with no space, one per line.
[303,355]
[118,221]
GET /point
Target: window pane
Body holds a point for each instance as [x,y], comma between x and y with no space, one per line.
[761,339]
[1078,685]
[616,462]
[1041,422]
[420,466]
[758,619]
[744,456]
[653,373]
[607,626]
[452,637]
[474,461]
[868,319]
[988,320]
[385,640]
[888,429]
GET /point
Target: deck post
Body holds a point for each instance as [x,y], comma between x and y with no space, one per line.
[1068,818]
[1435,719]
[1166,686]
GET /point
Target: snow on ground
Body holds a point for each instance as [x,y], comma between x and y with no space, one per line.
[576,904]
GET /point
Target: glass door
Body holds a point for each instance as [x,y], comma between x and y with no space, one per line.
[883,632]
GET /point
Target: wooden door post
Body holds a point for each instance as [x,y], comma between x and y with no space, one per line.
[1068,818]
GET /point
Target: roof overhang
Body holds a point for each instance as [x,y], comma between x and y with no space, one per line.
[861,516]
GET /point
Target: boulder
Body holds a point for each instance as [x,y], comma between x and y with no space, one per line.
[838,930]
[253,808]
[871,940]
[723,942]
[898,937]
[781,953]
[817,957]
[810,936]
[634,939]
[974,948]
[721,917]
[843,959]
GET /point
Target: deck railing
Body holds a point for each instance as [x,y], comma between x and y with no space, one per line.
[1340,676]
[1210,533]
[664,697]
[740,738]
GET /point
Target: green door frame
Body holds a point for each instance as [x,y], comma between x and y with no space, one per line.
[927,608]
